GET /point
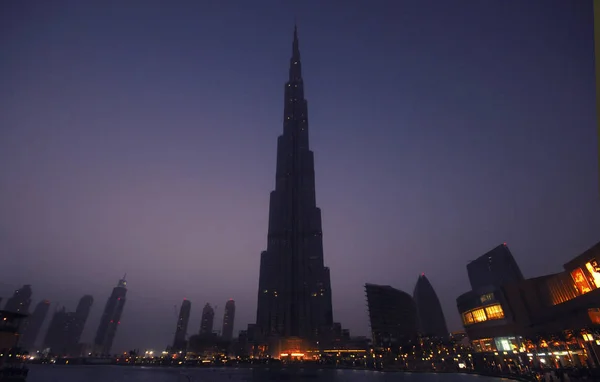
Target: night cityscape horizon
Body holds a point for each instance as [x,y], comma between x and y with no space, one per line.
[185,213]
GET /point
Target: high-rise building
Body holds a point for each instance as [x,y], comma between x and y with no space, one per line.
[429,310]
[79,318]
[33,324]
[294,296]
[495,268]
[65,329]
[228,320]
[56,336]
[393,316]
[208,319]
[111,318]
[20,301]
[182,324]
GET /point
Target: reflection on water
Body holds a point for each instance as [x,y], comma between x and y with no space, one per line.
[60,373]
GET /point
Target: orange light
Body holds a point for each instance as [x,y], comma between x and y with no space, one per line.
[297,354]
[283,354]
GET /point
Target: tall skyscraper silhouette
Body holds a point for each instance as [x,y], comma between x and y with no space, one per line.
[432,322]
[182,325]
[33,324]
[77,324]
[208,319]
[20,301]
[111,318]
[57,337]
[294,296]
[228,320]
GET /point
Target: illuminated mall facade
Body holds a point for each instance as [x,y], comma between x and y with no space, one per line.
[543,318]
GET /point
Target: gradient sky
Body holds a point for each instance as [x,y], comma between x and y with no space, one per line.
[140,137]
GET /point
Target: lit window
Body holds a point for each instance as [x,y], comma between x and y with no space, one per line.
[478,315]
[494,312]
[467,318]
[594,315]
[581,281]
[594,269]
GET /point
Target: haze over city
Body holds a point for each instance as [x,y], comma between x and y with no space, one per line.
[140,138]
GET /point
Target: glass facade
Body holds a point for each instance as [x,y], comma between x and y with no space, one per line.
[486,313]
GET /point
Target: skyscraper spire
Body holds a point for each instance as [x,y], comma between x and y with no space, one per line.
[295,66]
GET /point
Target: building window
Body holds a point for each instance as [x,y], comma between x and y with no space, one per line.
[581,282]
[494,312]
[478,315]
[594,315]
[490,312]
[487,297]
[594,269]
[468,318]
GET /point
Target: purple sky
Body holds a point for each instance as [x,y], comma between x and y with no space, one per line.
[140,137]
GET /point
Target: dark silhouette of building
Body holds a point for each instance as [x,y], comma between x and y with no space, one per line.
[9,325]
[294,296]
[65,329]
[111,318]
[496,267]
[179,342]
[20,301]
[432,322]
[77,324]
[228,320]
[393,316]
[33,324]
[56,336]
[208,319]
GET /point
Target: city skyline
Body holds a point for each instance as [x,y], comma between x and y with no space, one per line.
[422,168]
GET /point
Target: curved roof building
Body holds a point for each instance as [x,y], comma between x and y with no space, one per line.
[432,322]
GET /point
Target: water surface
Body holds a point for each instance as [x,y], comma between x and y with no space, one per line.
[62,373]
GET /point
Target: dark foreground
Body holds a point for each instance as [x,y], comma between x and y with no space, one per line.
[62,373]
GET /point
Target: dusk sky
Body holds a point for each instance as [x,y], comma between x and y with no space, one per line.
[140,137]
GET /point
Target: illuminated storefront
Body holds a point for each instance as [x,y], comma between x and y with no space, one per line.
[498,344]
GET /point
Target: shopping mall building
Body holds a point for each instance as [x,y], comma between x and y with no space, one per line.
[552,319]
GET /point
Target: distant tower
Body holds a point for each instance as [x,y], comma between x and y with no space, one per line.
[208,317]
[429,311]
[77,323]
[182,324]
[393,315]
[33,324]
[111,318]
[495,268]
[20,301]
[228,320]
[56,336]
